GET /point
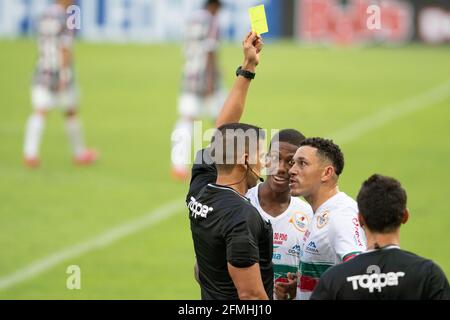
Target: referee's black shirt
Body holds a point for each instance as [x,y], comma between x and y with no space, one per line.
[385,274]
[225,228]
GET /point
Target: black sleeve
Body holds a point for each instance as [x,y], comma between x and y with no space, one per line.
[241,234]
[437,287]
[322,290]
[203,172]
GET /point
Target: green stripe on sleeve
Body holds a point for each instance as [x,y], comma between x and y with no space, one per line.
[314,270]
[281,270]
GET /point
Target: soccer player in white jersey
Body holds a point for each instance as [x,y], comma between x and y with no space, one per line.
[334,235]
[202,94]
[288,215]
[54,85]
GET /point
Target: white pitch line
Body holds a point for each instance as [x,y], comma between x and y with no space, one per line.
[345,135]
[103,240]
[393,112]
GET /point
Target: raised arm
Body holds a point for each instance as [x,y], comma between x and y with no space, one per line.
[234,105]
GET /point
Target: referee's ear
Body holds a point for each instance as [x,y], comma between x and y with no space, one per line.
[405,216]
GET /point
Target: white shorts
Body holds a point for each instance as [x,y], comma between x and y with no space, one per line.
[44,99]
[195,107]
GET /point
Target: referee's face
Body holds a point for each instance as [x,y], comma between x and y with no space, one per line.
[306,172]
[256,161]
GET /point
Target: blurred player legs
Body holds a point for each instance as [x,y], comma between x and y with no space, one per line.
[54,85]
[43,101]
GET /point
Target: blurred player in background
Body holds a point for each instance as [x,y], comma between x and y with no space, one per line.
[54,85]
[202,94]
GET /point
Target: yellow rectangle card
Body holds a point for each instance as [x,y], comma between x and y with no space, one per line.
[258,19]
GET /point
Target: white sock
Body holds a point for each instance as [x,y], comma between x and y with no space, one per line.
[181,144]
[74,132]
[33,134]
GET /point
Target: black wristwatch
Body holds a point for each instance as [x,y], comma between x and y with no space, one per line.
[246,74]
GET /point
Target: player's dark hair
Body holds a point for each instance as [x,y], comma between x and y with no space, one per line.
[231,140]
[213,2]
[290,136]
[329,150]
[382,203]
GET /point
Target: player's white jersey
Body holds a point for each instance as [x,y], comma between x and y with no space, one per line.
[53,35]
[334,236]
[288,230]
[201,37]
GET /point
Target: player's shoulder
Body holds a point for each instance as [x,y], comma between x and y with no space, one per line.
[342,207]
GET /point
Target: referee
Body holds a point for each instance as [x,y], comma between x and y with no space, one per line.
[384,272]
[233,244]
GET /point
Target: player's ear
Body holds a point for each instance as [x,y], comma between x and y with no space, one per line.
[405,216]
[244,160]
[328,173]
[361,220]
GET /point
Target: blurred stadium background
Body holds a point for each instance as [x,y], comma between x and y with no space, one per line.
[383,95]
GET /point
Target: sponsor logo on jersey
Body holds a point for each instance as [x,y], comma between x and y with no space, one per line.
[294,251]
[279,238]
[357,236]
[311,248]
[300,221]
[323,219]
[197,209]
[375,280]
[275,254]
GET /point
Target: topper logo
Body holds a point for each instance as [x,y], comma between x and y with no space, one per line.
[198,209]
[374,279]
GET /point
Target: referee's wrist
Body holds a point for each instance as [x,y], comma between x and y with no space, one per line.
[248,66]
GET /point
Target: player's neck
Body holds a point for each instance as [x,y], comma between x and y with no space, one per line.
[274,203]
[380,240]
[229,180]
[324,193]
[266,192]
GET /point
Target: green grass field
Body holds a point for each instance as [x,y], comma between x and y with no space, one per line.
[129,95]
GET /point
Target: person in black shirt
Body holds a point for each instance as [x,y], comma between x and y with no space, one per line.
[233,245]
[384,272]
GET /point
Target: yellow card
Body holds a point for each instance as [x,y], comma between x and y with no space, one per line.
[258,19]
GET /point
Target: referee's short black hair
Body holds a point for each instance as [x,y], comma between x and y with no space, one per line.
[230,141]
[328,150]
[382,203]
[290,136]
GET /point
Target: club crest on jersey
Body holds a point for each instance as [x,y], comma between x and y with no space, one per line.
[323,219]
[300,221]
